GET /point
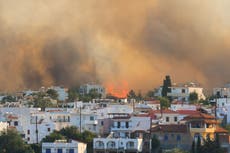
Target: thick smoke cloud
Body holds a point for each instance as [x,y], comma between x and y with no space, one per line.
[117,42]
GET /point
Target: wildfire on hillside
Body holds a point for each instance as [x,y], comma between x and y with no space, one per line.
[119,91]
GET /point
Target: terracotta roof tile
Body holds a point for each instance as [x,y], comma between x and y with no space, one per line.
[174,128]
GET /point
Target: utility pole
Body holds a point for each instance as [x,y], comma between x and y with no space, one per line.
[36,123]
[80,119]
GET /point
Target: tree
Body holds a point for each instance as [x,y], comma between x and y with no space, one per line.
[131,95]
[9,98]
[164,102]
[149,94]
[166,86]
[73,94]
[55,135]
[52,93]
[193,97]
[155,143]
[11,142]
[139,97]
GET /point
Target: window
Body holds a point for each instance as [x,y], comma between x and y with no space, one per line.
[91,118]
[183,90]
[178,138]
[71,150]
[127,124]
[28,139]
[48,150]
[166,137]
[102,123]
[59,151]
[118,124]
[28,132]
[175,119]
[167,119]
[48,129]
[16,123]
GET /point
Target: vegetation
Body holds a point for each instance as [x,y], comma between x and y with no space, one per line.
[164,102]
[193,97]
[208,146]
[166,86]
[155,144]
[52,94]
[176,150]
[131,95]
[11,142]
[73,94]
[9,98]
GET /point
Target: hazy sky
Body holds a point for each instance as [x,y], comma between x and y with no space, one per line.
[131,43]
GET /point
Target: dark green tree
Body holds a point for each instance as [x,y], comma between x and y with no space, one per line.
[9,98]
[55,135]
[155,144]
[73,94]
[166,86]
[149,94]
[139,96]
[52,93]
[193,97]
[164,102]
[11,142]
[131,95]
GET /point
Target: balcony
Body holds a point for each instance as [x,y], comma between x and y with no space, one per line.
[123,128]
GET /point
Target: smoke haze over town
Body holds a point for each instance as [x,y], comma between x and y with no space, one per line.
[128,43]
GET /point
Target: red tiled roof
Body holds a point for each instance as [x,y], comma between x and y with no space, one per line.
[199,116]
[188,112]
[220,130]
[165,111]
[12,117]
[174,128]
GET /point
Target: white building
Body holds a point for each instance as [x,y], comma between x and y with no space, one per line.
[62,146]
[182,92]
[117,145]
[62,92]
[86,88]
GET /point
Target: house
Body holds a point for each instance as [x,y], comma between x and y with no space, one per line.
[182,91]
[115,145]
[222,92]
[203,125]
[165,116]
[63,146]
[172,136]
[86,88]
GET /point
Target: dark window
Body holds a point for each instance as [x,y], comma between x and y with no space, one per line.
[102,123]
[28,139]
[127,124]
[178,138]
[166,137]
[59,151]
[118,124]
[28,131]
[175,119]
[71,150]
[183,90]
[48,129]
[91,118]
[16,123]
[167,119]
[48,150]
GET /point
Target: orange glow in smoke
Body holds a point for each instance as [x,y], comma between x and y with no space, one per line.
[118,90]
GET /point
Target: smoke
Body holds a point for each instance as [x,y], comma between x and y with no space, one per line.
[71,42]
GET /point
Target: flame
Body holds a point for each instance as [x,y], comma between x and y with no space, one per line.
[119,91]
